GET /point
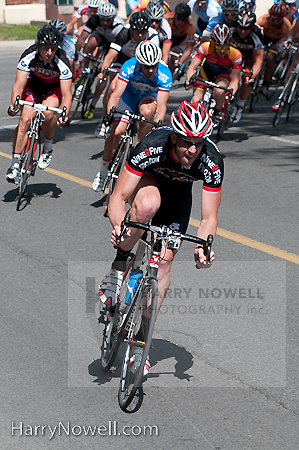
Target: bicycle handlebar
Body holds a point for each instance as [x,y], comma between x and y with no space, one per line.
[106,72]
[164,232]
[38,107]
[89,56]
[133,116]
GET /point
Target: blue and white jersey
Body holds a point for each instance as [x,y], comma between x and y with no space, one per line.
[69,47]
[138,85]
[213,9]
[214,21]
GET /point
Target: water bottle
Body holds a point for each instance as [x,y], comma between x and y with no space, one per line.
[132,286]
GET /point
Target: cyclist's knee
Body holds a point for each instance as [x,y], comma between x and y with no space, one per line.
[146,205]
[24,123]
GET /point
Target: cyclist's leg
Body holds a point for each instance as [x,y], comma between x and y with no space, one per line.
[53,99]
[199,86]
[109,91]
[20,137]
[93,42]
[147,107]
[219,94]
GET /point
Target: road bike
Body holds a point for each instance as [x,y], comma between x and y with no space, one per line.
[288,97]
[32,151]
[82,94]
[136,308]
[209,103]
[124,148]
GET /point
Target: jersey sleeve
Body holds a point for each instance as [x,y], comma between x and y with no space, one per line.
[212,167]
[203,51]
[164,77]
[127,69]
[236,58]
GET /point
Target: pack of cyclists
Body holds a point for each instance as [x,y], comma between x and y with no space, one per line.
[225,43]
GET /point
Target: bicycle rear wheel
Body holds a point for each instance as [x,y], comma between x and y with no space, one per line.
[131,380]
[111,338]
[25,168]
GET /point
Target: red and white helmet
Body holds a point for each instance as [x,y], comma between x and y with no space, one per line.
[278,11]
[221,34]
[192,120]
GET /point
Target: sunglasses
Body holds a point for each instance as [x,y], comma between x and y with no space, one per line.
[221,47]
[189,144]
[156,20]
[230,14]
[49,47]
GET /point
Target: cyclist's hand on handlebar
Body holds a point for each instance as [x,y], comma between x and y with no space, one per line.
[201,258]
[287,44]
[62,120]
[115,234]
[12,110]
[187,84]
[100,77]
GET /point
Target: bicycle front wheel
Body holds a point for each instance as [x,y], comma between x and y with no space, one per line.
[131,379]
[25,168]
[117,165]
[224,123]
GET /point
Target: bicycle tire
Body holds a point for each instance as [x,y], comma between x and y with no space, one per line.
[293,102]
[86,101]
[25,168]
[223,124]
[113,173]
[111,339]
[129,381]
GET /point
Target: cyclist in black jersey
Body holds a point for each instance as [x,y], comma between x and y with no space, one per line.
[252,50]
[157,181]
[43,75]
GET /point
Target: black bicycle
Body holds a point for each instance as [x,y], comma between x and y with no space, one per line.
[124,148]
[32,151]
[83,94]
[136,308]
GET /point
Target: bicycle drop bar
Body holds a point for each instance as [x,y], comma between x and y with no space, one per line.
[166,232]
[133,116]
[38,106]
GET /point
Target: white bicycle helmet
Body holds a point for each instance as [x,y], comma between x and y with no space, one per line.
[107,11]
[192,120]
[155,11]
[94,3]
[148,53]
[59,24]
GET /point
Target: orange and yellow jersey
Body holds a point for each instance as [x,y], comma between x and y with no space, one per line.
[273,34]
[218,64]
[143,4]
[182,34]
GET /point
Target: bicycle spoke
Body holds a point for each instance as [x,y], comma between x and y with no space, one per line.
[131,379]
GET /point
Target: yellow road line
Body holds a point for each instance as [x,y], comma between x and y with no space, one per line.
[252,243]
[291,257]
[60,174]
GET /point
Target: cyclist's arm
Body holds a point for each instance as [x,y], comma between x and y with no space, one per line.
[81,40]
[234,82]
[193,67]
[294,30]
[165,51]
[71,24]
[109,59]
[66,92]
[116,94]
[187,52]
[162,99]
[20,81]
[258,57]
[210,202]
[125,186]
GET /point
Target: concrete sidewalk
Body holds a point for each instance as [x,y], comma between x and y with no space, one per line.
[11,46]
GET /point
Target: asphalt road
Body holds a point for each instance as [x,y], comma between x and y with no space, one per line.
[225,357]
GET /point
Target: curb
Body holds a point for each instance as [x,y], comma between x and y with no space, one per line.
[10,46]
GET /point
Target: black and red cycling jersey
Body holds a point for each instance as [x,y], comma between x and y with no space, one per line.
[44,77]
[153,156]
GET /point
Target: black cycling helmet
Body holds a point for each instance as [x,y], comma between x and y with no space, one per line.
[49,35]
[140,21]
[182,10]
[246,18]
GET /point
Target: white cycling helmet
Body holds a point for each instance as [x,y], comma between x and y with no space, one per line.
[94,3]
[230,5]
[155,11]
[107,11]
[148,53]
